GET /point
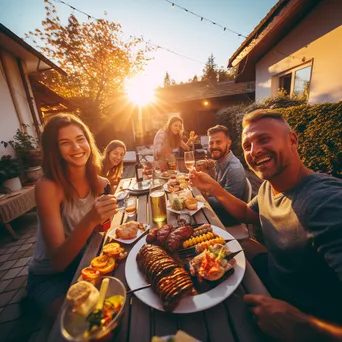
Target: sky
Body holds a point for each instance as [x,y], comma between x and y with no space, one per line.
[161,24]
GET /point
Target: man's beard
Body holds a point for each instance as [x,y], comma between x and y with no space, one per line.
[222,153]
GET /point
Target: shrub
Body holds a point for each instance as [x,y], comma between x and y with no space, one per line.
[319,130]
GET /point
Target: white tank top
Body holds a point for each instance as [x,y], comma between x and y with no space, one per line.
[71,214]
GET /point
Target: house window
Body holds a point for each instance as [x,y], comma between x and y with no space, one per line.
[296,81]
[302,81]
[285,83]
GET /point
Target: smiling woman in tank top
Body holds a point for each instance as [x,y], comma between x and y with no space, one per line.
[69,207]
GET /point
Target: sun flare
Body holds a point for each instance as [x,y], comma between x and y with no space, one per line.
[140,91]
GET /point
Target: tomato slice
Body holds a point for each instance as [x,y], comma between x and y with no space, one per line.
[109,267]
[90,273]
[100,261]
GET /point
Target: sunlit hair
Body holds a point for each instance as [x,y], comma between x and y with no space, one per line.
[53,164]
[260,114]
[175,140]
[116,171]
[218,129]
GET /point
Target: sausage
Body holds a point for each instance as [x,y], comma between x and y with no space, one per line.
[176,237]
[152,235]
[163,233]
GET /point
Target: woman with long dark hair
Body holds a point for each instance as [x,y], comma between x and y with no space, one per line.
[69,207]
[112,163]
[169,138]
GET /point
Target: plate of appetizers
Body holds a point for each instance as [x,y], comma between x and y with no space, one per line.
[128,232]
[155,261]
[168,173]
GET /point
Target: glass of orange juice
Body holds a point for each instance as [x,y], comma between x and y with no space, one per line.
[131,206]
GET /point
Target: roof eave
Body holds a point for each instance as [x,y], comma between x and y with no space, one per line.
[30,49]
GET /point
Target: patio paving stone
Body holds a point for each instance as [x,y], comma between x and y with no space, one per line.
[10,313]
[7,265]
[20,294]
[6,329]
[4,257]
[6,297]
[12,249]
[2,273]
[12,273]
[23,272]
[17,255]
[16,283]
[22,262]
[25,247]
[4,284]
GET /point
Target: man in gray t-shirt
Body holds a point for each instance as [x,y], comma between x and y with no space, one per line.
[300,213]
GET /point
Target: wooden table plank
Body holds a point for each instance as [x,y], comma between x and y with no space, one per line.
[140,323]
[222,332]
[242,320]
[194,325]
[164,323]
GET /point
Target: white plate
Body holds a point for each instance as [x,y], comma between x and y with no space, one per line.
[188,304]
[111,234]
[144,186]
[121,195]
[167,177]
[200,205]
[166,188]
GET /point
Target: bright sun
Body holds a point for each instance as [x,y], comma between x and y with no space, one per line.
[140,91]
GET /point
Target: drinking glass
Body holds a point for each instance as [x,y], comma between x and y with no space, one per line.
[158,202]
[131,206]
[172,163]
[189,159]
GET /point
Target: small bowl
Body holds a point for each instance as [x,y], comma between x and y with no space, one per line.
[73,325]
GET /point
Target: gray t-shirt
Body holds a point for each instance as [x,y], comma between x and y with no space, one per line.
[302,229]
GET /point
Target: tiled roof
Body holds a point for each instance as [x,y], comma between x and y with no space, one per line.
[204,90]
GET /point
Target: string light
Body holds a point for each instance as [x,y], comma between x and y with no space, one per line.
[146,42]
[173,4]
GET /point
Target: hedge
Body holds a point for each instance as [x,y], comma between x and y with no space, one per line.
[319,130]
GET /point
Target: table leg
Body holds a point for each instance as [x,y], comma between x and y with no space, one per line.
[11,231]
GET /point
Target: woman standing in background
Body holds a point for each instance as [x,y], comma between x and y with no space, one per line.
[169,138]
[112,163]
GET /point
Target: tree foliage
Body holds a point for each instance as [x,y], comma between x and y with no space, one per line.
[94,54]
[210,70]
[319,129]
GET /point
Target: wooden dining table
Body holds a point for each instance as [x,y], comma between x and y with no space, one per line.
[227,321]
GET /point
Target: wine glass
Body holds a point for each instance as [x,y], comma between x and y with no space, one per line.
[189,159]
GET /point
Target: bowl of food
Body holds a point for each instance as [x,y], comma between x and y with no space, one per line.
[93,312]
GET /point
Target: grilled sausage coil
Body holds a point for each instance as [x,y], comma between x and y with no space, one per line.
[168,280]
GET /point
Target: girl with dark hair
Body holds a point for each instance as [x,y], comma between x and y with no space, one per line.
[112,163]
[69,206]
[169,138]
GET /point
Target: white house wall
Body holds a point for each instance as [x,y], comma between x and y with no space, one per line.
[318,38]
[14,108]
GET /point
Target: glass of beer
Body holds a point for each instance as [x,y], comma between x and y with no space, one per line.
[189,159]
[172,162]
[158,205]
[131,206]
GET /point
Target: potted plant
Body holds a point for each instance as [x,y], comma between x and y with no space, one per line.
[26,148]
[10,170]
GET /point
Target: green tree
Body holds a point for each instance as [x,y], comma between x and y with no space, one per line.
[224,75]
[210,70]
[167,80]
[94,55]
